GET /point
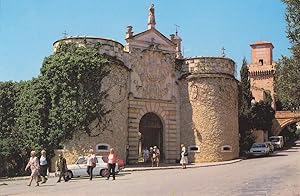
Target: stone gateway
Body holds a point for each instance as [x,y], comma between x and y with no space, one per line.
[159,98]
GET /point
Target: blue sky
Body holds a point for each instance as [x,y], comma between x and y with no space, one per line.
[29,27]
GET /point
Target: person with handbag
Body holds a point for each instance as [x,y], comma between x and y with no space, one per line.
[91,163]
[112,160]
[43,166]
[184,156]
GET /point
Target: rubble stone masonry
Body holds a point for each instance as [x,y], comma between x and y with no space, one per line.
[209,109]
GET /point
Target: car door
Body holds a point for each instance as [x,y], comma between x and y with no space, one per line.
[96,170]
[81,167]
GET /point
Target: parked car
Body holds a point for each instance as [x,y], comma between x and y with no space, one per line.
[270,145]
[259,149]
[277,141]
[80,166]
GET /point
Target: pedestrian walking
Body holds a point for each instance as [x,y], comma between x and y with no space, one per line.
[62,167]
[112,160]
[34,166]
[146,154]
[156,156]
[43,167]
[184,156]
[91,163]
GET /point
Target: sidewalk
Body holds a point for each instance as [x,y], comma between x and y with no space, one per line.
[132,168]
[50,175]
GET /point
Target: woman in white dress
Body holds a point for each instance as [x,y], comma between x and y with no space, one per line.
[184,156]
[34,166]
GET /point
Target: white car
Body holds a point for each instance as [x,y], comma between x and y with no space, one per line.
[277,141]
[80,167]
[259,149]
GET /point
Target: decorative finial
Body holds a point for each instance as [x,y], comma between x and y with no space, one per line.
[65,34]
[129,32]
[223,52]
[151,17]
[176,27]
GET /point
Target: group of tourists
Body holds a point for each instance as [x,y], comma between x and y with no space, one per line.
[111,163]
[38,168]
[153,154]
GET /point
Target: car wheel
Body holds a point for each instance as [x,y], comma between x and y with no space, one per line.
[104,172]
[69,174]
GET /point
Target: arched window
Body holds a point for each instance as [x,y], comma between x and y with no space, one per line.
[226,148]
[193,148]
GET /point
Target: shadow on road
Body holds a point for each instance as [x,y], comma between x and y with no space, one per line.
[120,174]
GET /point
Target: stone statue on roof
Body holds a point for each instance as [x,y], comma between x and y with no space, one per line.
[151,17]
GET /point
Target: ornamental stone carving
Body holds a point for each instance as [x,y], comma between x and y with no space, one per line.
[152,74]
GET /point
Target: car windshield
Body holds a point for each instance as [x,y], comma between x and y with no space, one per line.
[258,145]
[274,139]
[81,160]
[105,159]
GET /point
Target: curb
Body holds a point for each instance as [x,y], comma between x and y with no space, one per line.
[179,166]
[51,175]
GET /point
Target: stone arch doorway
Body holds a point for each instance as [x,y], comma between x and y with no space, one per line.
[151,133]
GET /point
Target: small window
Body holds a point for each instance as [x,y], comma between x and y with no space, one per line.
[194,149]
[226,148]
[102,147]
[261,61]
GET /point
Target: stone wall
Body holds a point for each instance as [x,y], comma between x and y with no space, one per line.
[209,110]
[116,134]
[261,79]
[109,46]
[209,65]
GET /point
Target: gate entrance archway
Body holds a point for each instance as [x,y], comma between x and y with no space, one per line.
[151,133]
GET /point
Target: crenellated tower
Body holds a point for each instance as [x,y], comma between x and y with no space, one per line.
[261,70]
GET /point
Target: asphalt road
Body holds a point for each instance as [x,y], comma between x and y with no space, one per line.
[277,175]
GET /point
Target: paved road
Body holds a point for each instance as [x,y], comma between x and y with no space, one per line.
[278,175]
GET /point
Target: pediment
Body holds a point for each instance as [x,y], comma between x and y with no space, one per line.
[151,36]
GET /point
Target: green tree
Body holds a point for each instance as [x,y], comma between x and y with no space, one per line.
[261,116]
[245,92]
[33,105]
[245,97]
[288,68]
[74,77]
[268,97]
[46,111]
[12,146]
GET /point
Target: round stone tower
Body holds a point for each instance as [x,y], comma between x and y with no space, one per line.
[209,109]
